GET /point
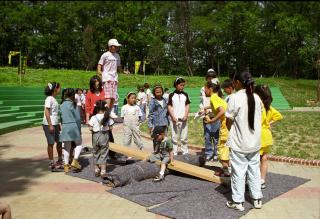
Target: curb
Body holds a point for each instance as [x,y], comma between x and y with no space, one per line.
[283,159]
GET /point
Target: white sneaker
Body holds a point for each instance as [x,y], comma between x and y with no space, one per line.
[113,115]
[257,203]
[236,206]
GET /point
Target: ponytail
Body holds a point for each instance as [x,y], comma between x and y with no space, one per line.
[216,88]
[248,83]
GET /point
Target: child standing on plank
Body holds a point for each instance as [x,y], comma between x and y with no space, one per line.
[244,116]
[99,124]
[108,67]
[131,115]
[163,151]
[178,108]
[211,130]
[219,107]
[158,111]
[269,116]
[50,123]
[227,87]
[71,129]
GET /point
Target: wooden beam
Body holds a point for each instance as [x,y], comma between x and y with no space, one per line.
[179,166]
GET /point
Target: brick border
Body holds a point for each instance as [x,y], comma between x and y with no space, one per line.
[291,160]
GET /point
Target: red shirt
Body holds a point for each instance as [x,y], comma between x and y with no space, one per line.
[91,99]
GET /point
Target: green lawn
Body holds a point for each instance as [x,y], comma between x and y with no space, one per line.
[297,92]
[297,135]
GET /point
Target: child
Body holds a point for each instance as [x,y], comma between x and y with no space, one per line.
[71,129]
[269,116]
[163,151]
[108,66]
[211,130]
[244,122]
[115,105]
[219,107]
[149,96]
[50,123]
[131,115]
[227,87]
[178,108]
[166,93]
[80,104]
[158,111]
[214,79]
[142,102]
[99,125]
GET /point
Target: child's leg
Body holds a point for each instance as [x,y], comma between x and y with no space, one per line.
[77,150]
[223,156]
[215,136]
[207,140]
[66,151]
[137,137]
[239,165]
[174,137]
[254,179]
[95,152]
[264,166]
[184,137]
[162,168]
[104,142]
[127,135]
[50,152]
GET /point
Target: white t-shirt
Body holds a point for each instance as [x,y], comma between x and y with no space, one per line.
[79,99]
[241,138]
[130,114]
[95,123]
[110,62]
[178,101]
[142,98]
[160,102]
[53,106]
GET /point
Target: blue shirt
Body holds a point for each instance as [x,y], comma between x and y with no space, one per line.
[158,115]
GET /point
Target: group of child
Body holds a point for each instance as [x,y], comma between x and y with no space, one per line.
[237,128]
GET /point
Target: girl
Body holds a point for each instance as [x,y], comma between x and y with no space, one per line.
[269,116]
[131,115]
[50,123]
[244,122]
[158,111]
[219,107]
[71,129]
[99,125]
[178,107]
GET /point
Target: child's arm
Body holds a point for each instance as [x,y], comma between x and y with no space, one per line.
[171,158]
[221,112]
[170,110]
[186,113]
[276,115]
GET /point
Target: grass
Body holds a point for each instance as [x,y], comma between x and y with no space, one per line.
[297,135]
[297,92]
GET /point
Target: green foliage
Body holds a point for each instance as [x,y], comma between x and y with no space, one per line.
[271,38]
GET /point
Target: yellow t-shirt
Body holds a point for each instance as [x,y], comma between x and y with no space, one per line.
[217,102]
[267,117]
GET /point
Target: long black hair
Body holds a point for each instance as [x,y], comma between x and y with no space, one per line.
[49,89]
[93,81]
[100,105]
[265,95]
[68,93]
[248,83]
[215,87]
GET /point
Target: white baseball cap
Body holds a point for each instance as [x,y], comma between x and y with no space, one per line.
[113,42]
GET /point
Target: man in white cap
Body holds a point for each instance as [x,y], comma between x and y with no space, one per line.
[108,67]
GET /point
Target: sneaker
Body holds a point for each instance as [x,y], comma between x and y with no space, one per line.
[75,164]
[257,203]
[66,168]
[263,185]
[113,115]
[235,205]
[158,178]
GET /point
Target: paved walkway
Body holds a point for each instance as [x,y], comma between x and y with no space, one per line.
[34,192]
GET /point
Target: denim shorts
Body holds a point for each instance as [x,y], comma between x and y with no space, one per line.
[51,137]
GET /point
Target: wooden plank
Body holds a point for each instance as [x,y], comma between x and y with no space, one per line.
[179,166]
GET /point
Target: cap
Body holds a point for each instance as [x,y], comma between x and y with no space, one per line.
[113,42]
[211,70]
[158,130]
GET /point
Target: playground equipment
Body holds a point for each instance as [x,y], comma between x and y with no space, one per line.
[22,62]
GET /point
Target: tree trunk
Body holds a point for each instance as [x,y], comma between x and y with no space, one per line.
[318,69]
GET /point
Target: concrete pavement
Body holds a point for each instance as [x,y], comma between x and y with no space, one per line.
[34,192]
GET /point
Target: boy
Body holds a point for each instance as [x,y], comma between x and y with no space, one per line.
[163,150]
[108,67]
[211,131]
[227,87]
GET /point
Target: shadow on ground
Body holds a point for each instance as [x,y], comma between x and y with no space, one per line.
[17,174]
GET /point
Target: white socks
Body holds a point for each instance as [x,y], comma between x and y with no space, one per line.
[66,151]
[77,151]
[161,172]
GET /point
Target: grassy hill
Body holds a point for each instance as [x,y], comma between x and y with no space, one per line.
[297,92]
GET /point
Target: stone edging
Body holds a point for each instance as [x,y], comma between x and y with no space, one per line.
[300,161]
